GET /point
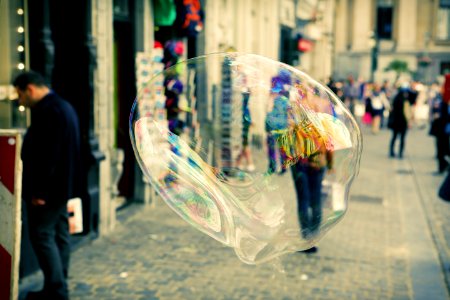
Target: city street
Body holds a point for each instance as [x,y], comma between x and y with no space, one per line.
[216,101]
[394,243]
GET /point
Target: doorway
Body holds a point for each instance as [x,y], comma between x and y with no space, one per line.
[124,95]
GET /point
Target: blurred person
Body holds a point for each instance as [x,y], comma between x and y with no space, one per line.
[308,174]
[387,89]
[245,153]
[444,189]
[438,124]
[400,119]
[364,88]
[339,89]
[332,85]
[414,92]
[51,176]
[446,89]
[277,119]
[367,116]
[351,93]
[377,102]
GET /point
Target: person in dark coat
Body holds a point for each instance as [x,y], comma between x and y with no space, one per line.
[400,118]
[439,121]
[51,176]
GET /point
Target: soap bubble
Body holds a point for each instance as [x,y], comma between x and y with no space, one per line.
[239,146]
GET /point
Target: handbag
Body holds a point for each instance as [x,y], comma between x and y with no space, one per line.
[75,211]
[444,189]
[367,118]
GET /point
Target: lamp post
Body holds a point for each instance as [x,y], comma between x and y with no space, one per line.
[373,43]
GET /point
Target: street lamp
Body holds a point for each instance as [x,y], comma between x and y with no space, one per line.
[373,44]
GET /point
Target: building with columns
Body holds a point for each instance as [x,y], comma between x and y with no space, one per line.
[371,34]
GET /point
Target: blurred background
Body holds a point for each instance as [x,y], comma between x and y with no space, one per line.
[98,54]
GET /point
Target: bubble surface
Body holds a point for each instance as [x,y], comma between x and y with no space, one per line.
[251,151]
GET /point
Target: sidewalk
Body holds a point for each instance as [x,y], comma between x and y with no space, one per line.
[390,245]
[422,150]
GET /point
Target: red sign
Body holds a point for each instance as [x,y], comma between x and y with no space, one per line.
[304,45]
[5,274]
[8,155]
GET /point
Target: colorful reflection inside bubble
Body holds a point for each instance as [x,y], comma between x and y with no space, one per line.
[252,152]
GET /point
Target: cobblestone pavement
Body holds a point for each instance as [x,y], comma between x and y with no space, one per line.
[392,244]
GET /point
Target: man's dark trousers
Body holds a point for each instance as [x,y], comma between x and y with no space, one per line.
[50,238]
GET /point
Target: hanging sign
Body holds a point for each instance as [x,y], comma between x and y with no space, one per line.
[304,45]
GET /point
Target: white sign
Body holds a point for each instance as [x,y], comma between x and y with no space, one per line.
[75,210]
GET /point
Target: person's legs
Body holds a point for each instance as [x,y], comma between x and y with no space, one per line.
[248,157]
[245,152]
[351,105]
[42,226]
[63,241]
[402,142]
[442,145]
[394,137]
[283,159]
[303,196]
[315,178]
[376,123]
[272,154]
[239,160]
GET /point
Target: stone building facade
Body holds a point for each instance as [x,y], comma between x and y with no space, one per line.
[88,55]
[371,34]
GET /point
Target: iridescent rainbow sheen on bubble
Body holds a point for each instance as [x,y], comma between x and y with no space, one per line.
[197,173]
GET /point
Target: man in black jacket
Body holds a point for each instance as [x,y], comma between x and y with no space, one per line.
[51,176]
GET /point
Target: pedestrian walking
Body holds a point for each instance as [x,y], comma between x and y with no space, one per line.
[245,153]
[400,120]
[351,93]
[308,174]
[277,120]
[439,118]
[51,176]
[378,102]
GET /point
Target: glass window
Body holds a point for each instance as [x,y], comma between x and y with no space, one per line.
[443,21]
[384,19]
